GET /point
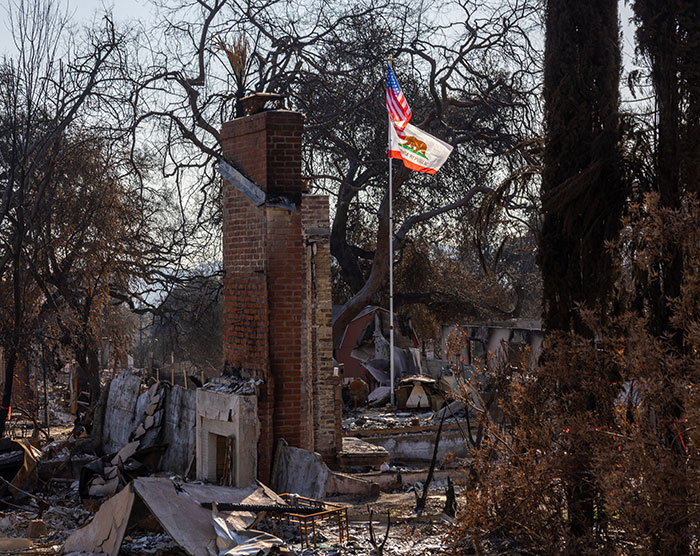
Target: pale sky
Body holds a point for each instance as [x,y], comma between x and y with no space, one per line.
[124,10]
[82,12]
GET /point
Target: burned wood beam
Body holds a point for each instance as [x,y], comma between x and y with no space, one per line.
[251,190]
[240,182]
[256,508]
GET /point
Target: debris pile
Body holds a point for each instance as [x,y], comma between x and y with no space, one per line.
[234,385]
[69,498]
[370,419]
[104,476]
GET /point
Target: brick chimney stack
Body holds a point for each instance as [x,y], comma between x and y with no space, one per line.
[277,305]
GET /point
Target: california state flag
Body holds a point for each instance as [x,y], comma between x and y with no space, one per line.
[419,150]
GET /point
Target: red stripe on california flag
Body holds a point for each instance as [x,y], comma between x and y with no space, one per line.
[410,165]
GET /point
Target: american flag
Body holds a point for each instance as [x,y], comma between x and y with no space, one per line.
[396,105]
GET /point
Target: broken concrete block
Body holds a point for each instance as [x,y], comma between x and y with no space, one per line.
[358,453]
[37,528]
[298,471]
[125,453]
[153,420]
[153,391]
[109,487]
[343,484]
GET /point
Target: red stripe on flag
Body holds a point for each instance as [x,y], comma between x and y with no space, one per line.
[410,165]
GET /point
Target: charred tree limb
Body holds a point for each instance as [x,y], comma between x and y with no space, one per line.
[400,236]
[378,547]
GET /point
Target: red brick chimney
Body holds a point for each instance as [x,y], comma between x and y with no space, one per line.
[277,287]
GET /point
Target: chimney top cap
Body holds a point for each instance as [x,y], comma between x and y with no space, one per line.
[258,102]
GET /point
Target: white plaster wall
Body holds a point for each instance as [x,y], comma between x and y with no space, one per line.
[227,415]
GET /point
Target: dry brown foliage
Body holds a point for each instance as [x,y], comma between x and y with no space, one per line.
[627,404]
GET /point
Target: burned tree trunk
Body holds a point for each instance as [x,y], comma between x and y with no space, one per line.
[450,508]
[88,358]
[378,546]
[583,196]
[18,320]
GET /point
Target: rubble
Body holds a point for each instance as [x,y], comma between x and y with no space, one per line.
[148,543]
[233,385]
[119,527]
[141,513]
[407,537]
[304,473]
[373,419]
[18,461]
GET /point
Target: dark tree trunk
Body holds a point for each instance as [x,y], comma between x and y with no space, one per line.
[7,391]
[18,315]
[583,194]
[690,73]
[350,270]
[380,264]
[88,357]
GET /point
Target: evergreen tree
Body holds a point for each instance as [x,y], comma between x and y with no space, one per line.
[583,196]
[583,193]
[668,36]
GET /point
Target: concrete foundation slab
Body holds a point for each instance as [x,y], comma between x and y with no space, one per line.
[358,453]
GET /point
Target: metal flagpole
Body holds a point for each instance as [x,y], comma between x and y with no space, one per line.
[391,268]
